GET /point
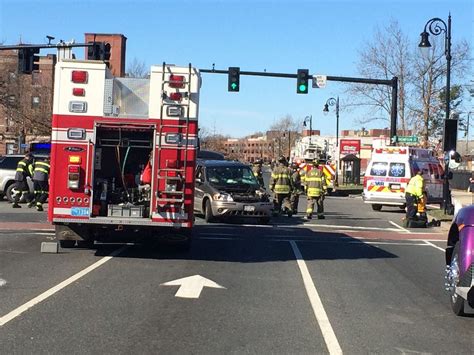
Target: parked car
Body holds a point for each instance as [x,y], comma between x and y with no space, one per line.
[460,262]
[8,164]
[226,189]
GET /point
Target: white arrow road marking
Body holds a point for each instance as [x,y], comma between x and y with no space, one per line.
[2,282]
[191,286]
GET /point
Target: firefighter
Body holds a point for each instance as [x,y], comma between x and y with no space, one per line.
[280,185]
[315,190]
[24,170]
[414,194]
[257,171]
[41,184]
[297,188]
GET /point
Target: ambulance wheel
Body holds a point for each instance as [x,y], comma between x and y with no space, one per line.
[208,215]
[377,207]
[452,280]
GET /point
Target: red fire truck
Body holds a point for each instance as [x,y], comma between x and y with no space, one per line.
[105,132]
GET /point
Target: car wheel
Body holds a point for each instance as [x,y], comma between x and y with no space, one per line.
[208,216]
[452,282]
[11,192]
[377,207]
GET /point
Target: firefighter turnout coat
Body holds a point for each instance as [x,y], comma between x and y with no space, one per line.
[280,182]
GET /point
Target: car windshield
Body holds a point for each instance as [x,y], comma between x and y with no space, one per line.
[231,176]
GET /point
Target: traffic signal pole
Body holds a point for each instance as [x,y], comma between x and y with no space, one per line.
[393,83]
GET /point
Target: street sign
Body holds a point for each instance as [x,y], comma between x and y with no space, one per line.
[24,145]
[405,139]
[319,81]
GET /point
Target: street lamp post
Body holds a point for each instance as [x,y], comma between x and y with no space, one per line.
[331,102]
[436,26]
[310,119]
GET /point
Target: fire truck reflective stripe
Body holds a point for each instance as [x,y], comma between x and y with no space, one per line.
[64,211]
[60,135]
[328,170]
[170,215]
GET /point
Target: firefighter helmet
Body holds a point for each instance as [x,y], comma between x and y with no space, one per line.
[282,160]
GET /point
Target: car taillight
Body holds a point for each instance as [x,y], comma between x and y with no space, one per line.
[74,168]
[79,76]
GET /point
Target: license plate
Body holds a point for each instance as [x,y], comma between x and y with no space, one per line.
[395,186]
[80,211]
[249,208]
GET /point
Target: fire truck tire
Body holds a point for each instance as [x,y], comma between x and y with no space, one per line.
[67,244]
[208,215]
[377,207]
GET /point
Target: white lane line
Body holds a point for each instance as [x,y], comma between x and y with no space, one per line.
[399,227]
[23,308]
[13,251]
[3,282]
[318,309]
[390,243]
[351,227]
[434,246]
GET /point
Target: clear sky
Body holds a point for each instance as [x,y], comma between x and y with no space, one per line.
[255,35]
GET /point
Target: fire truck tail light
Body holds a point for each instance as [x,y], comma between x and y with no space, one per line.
[74,169]
[176,81]
[74,159]
[79,76]
[79,92]
[176,96]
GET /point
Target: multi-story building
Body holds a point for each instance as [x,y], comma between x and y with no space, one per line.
[25,102]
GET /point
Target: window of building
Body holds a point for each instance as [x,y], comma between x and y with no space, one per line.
[35,101]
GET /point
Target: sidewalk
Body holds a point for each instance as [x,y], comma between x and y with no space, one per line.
[462,198]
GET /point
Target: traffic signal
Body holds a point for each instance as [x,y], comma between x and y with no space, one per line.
[106,51]
[302,81]
[450,134]
[95,51]
[35,58]
[234,79]
[28,60]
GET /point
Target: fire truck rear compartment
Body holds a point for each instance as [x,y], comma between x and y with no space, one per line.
[121,153]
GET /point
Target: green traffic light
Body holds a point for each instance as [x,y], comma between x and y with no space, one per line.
[233,86]
[302,87]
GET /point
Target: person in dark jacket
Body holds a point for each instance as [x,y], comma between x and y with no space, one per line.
[257,171]
[281,186]
[41,183]
[297,187]
[24,170]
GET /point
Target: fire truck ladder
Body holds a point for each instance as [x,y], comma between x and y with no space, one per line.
[177,196]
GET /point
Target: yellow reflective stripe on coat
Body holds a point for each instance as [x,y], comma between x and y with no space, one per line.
[282,189]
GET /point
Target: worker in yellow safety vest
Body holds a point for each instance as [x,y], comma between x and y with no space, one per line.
[414,194]
[281,186]
[315,186]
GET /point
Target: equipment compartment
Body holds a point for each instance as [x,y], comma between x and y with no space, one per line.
[121,154]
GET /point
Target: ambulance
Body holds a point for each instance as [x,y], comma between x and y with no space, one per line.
[391,168]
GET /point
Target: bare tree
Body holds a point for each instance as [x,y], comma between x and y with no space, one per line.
[285,132]
[386,56]
[137,69]
[430,84]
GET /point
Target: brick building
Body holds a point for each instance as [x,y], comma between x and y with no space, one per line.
[25,102]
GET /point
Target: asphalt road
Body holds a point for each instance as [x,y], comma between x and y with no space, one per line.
[356,282]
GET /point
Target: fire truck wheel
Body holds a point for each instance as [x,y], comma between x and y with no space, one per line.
[377,207]
[66,244]
[208,215]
